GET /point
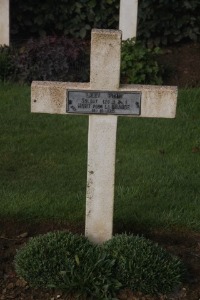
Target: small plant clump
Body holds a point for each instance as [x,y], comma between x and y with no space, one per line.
[138,63]
[143,265]
[70,262]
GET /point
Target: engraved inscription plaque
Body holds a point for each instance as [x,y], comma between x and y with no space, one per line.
[103,102]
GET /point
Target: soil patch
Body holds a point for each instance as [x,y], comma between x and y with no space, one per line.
[186,245]
[182,65]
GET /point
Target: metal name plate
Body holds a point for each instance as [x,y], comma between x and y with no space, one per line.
[98,102]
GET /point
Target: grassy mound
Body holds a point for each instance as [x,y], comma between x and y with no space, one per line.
[70,262]
[143,265]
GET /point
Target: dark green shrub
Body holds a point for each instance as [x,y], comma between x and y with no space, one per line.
[61,59]
[6,63]
[62,17]
[163,22]
[69,262]
[138,63]
[144,266]
[52,58]
[160,22]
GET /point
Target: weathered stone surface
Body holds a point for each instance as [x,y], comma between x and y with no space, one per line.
[128,18]
[156,101]
[104,75]
[100,177]
[4,23]
[105,59]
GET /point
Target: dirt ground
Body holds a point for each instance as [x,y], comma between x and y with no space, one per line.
[183,65]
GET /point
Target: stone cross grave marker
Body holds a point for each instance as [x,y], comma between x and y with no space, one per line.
[4,22]
[128,18]
[103,99]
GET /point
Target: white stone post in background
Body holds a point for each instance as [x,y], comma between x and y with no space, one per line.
[128,18]
[4,22]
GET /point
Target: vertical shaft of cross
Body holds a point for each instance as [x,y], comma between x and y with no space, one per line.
[128,18]
[4,22]
[104,75]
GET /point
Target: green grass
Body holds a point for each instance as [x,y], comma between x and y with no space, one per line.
[43,161]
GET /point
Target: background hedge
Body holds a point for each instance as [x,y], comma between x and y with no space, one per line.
[163,22]
[72,18]
[160,22]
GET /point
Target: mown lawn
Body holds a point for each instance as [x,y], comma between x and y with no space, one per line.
[43,160]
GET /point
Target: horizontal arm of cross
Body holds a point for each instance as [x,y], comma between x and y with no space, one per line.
[51,97]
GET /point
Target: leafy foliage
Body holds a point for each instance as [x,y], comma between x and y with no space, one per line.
[62,59]
[68,262]
[163,22]
[138,63]
[6,65]
[71,18]
[144,266]
[160,22]
[49,58]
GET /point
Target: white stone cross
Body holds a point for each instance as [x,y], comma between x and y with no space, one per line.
[128,18]
[103,99]
[4,23]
